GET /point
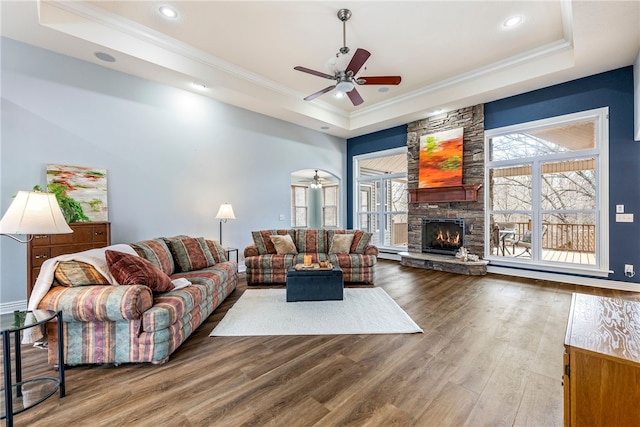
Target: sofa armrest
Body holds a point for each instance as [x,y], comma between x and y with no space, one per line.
[98,303]
[251,250]
[371,250]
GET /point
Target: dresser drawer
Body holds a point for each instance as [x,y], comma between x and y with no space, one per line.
[79,235]
[62,249]
[100,234]
[39,255]
[41,239]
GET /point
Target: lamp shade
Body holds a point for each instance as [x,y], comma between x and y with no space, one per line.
[34,213]
[225,212]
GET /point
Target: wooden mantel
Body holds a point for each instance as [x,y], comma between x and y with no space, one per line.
[454,193]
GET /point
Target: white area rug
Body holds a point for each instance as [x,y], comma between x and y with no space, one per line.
[267,312]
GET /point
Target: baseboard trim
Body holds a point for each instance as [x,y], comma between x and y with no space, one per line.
[566,278]
[10,307]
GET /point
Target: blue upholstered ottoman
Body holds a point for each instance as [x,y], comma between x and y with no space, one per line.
[314,285]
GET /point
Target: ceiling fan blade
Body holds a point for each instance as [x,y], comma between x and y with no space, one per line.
[355,97]
[314,72]
[381,80]
[357,61]
[320,92]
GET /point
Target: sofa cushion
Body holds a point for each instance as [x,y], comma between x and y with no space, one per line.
[341,243]
[134,270]
[190,253]
[311,241]
[284,244]
[76,273]
[209,285]
[157,252]
[262,240]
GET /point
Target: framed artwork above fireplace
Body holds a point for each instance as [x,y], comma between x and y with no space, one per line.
[441,159]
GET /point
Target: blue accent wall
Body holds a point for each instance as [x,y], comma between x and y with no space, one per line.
[370,143]
[613,89]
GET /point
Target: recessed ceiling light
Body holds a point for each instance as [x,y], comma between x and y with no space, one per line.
[383,89]
[103,56]
[168,12]
[199,85]
[513,21]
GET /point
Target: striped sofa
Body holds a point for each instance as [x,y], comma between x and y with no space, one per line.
[131,324]
[265,265]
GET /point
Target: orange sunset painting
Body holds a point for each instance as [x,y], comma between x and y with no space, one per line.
[441,159]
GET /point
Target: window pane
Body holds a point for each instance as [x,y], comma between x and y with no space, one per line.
[298,206]
[569,185]
[511,188]
[397,195]
[301,217]
[329,216]
[539,142]
[569,238]
[397,230]
[507,233]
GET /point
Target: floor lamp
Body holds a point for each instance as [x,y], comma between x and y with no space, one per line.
[224,213]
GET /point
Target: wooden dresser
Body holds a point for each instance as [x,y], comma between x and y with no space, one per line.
[602,362]
[86,235]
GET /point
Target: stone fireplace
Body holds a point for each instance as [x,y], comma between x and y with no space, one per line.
[465,202]
[442,235]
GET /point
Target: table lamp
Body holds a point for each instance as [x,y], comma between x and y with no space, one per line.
[33,212]
[224,213]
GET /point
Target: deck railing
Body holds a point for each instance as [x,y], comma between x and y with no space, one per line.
[564,237]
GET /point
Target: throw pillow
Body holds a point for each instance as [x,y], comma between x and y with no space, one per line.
[76,273]
[284,245]
[191,254]
[262,240]
[130,269]
[156,251]
[361,240]
[341,243]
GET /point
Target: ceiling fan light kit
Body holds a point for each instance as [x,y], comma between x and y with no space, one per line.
[346,80]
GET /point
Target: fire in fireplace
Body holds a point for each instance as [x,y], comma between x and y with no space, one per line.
[442,235]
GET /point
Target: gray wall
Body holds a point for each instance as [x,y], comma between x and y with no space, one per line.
[172,156]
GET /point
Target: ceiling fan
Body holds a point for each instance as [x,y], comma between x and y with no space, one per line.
[316,181]
[346,80]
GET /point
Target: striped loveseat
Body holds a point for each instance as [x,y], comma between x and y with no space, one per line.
[265,265]
[107,323]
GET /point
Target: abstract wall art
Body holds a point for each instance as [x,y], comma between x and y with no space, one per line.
[84,185]
[441,159]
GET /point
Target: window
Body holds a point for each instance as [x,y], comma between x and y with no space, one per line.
[383,201]
[330,206]
[299,206]
[548,193]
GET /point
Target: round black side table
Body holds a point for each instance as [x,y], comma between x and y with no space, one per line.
[25,394]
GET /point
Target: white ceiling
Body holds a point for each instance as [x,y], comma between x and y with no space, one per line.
[450,53]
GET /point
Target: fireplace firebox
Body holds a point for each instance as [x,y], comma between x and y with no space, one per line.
[442,235]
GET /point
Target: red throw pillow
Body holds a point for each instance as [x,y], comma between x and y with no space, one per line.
[130,269]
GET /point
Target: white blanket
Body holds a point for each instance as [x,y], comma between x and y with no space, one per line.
[95,257]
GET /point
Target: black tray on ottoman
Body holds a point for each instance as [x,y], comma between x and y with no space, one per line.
[314,284]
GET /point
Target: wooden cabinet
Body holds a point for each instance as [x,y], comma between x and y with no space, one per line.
[602,362]
[86,235]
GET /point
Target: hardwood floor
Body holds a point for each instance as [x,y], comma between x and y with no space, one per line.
[491,355]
